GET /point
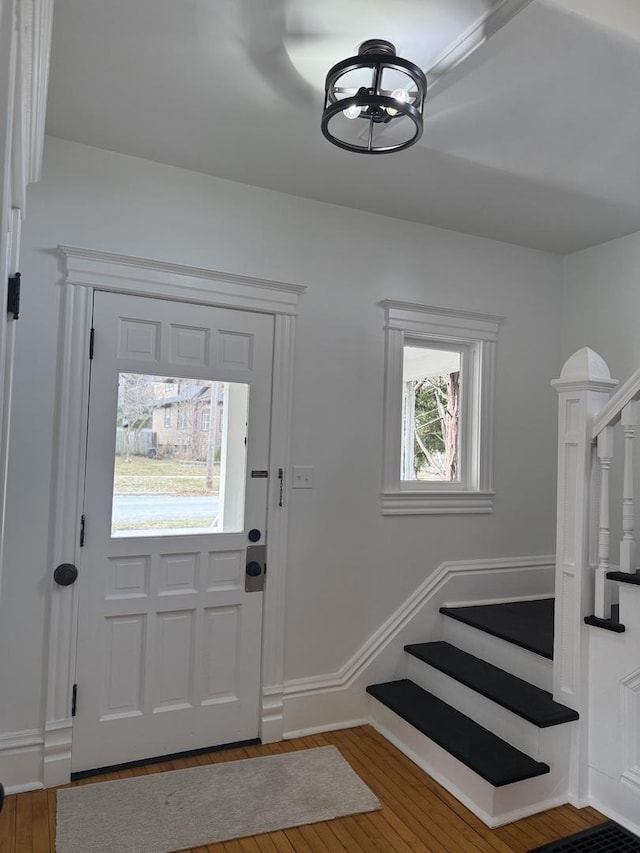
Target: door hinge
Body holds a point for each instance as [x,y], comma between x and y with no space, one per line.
[13,296]
[82,531]
[74,699]
[92,335]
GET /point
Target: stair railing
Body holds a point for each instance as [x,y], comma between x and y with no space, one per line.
[622,408]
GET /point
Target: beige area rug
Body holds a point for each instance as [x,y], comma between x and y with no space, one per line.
[164,812]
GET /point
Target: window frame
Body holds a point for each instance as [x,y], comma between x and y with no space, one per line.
[475,335]
[166,422]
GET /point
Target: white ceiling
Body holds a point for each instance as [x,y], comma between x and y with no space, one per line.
[532,139]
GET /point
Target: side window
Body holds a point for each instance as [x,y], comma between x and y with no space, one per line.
[439,400]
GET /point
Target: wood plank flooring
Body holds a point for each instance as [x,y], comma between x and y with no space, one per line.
[418,815]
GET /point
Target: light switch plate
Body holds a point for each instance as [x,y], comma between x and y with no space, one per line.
[302,477]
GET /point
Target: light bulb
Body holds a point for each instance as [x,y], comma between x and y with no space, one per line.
[352,112]
[400,95]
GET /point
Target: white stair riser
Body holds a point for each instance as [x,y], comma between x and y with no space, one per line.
[494,806]
[521,662]
[525,736]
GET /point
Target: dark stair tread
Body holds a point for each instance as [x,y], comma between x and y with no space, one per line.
[612,624]
[524,699]
[483,752]
[624,577]
[528,624]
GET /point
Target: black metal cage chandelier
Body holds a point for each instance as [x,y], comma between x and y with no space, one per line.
[374,101]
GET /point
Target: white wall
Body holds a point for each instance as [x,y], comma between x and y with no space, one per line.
[349,567]
[601,303]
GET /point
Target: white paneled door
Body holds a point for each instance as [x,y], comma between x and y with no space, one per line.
[169,641]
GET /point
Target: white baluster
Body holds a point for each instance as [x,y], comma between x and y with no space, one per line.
[628,543]
[603,587]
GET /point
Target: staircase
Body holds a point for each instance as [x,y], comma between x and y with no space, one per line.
[476,712]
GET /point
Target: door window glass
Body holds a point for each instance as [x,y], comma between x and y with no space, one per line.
[172,475]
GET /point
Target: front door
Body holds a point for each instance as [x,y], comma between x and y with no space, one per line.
[169,640]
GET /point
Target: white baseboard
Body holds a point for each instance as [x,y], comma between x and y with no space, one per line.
[21,760]
[615,799]
[612,814]
[325,702]
[271,722]
[316,730]
[58,737]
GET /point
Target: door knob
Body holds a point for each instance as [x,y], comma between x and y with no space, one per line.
[253,569]
[65,574]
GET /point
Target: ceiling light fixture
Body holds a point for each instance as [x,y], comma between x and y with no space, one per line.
[374,101]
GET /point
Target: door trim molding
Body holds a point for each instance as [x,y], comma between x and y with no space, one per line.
[86,270]
[145,277]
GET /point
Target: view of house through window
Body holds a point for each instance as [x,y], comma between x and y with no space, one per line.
[430,414]
[180,456]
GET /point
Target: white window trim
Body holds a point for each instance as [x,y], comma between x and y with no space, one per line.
[477,334]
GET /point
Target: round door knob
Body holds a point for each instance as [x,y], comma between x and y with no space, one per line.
[254,534]
[65,574]
[254,569]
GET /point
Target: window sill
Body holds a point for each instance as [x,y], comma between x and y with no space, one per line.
[437,503]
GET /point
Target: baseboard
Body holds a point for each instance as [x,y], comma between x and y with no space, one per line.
[615,799]
[58,735]
[316,730]
[272,721]
[21,760]
[322,702]
[612,814]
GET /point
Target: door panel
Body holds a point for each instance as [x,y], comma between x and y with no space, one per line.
[168,640]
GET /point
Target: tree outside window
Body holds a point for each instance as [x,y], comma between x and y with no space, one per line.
[431,411]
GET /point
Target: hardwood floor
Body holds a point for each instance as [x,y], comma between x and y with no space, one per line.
[417,814]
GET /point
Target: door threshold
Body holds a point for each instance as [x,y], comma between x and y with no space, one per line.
[157,759]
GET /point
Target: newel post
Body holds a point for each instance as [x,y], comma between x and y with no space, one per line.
[584,387]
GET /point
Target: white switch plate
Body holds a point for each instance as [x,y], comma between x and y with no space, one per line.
[302,477]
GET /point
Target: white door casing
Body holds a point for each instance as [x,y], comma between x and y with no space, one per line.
[168,639]
[84,271]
